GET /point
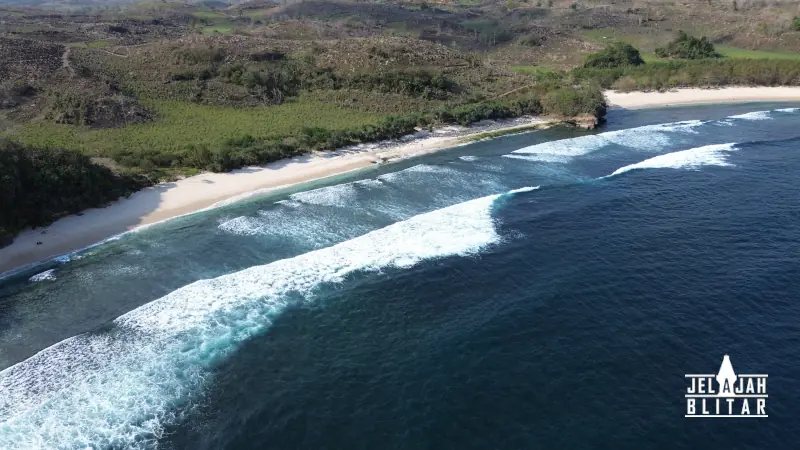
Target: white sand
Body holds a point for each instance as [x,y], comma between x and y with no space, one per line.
[168,200]
[633,100]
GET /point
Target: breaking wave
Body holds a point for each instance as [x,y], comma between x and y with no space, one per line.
[693,158]
[121,387]
[648,137]
[755,115]
[340,195]
[46,275]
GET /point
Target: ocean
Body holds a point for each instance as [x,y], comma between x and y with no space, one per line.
[543,290]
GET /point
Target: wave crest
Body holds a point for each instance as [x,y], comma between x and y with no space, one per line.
[693,158]
[122,387]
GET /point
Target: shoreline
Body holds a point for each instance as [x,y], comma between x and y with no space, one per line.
[699,96]
[209,190]
[205,191]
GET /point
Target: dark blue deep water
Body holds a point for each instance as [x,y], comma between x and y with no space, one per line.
[544,290]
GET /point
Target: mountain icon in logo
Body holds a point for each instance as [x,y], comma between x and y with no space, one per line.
[726,377]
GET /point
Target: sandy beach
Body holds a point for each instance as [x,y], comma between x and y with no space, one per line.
[634,100]
[168,200]
[193,194]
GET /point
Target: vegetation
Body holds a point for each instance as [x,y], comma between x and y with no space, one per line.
[704,73]
[39,185]
[504,132]
[162,89]
[221,139]
[618,54]
[688,47]
[740,53]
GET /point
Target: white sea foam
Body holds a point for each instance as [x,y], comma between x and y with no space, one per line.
[242,226]
[46,275]
[289,203]
[419,168]
[468,158]
[523,189]
[650,137]
[369,183]
[121,388]
[542,157]
[788,110]
[694,158]
[755,115]
[337,195]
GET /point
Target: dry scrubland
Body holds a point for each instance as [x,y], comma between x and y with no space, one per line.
[142,92]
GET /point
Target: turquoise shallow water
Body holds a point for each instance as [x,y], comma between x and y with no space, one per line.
[544,290]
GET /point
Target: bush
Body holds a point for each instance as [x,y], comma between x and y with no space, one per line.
[796,24]
[688,47]
[618,54]
[723,72]
[570,102]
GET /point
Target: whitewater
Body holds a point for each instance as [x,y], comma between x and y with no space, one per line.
[142,374]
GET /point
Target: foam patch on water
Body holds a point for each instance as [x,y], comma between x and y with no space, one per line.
[419,168]
[369,183]
[242,226]
[693,159]
[755,115]
[788,110]
[523,189]
[122,387]
[468,158]
[340,195]
[44,276]
[542,157]
[649,137]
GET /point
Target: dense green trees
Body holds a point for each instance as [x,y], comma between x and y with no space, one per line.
[618,54]
[288,78]
[563,102]
[688,47]
[39,185]
[672,74]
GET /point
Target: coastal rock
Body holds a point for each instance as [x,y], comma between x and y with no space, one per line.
[584,121]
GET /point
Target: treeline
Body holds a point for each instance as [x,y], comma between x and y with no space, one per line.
[38,186]
[564,102]
[279,81]
[674,74]
[620,66]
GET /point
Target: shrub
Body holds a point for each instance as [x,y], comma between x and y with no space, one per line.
[570,102]
[688,47]
[796,24]
[618,54]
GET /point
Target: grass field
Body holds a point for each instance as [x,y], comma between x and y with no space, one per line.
[210,15]
[182,124]
[221,29]
[740,53]
[536,71]
[647,43]
[256,13]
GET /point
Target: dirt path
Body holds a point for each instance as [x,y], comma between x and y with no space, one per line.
[65,61]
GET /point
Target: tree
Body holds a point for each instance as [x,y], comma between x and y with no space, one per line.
[688,47]
[618,54]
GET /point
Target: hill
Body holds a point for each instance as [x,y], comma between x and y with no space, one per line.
[158,90]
